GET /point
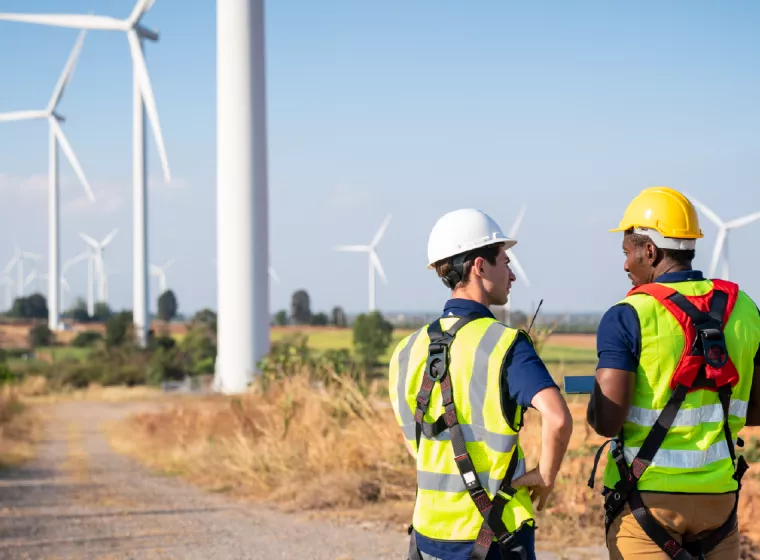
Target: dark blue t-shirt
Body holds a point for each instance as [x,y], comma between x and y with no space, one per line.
[618,338]
[526,375]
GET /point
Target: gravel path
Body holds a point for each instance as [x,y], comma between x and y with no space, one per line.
[80,500]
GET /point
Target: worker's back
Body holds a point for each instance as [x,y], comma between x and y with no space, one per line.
[694,456]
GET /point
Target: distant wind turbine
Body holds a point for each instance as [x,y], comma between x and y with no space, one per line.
[19,256]
[90,257]
[143,101]
[7,281]
[57,137]
[374,260]
[100,268]
[514,263]
[720,251]
[160,273]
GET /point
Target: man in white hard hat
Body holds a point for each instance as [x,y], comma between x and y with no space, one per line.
[459,388]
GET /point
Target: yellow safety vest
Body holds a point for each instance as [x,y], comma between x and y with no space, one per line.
[444,510]
[694,456]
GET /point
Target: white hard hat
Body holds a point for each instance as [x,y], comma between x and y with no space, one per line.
[461,231]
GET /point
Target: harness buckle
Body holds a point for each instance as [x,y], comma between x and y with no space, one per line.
[438,360]
[713,345]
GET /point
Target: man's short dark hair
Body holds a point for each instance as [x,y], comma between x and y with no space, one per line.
[490,253]
[683,257]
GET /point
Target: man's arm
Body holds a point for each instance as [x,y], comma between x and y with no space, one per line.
[556,429]
[618,342]
[610,401]
[753,410]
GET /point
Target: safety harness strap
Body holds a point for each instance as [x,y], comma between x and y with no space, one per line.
[708,346]
[437,370]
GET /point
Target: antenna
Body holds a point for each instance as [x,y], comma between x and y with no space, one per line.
[535,315]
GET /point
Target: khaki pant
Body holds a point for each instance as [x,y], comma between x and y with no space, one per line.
[685,516]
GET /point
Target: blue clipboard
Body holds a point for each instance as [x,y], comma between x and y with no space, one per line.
[580,384]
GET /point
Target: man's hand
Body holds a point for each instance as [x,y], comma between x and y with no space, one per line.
[540,486]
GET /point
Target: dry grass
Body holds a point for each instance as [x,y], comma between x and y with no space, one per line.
[20,428]
[332,450]
[36,391]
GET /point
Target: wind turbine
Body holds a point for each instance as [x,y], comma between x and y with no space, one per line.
[7,281]
[98,249]
[57,137]
[90,276]
[143,101]
[19,256]
[721,243]
[514,263]
[160,273]
[374,260]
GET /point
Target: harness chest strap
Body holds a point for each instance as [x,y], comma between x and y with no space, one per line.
[437,370]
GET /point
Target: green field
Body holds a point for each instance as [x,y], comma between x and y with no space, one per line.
[561,360]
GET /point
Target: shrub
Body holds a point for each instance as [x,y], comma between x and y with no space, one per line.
[372,337]
[86,339]
[40,335]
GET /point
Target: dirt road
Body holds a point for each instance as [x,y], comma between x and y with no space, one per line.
[80,500]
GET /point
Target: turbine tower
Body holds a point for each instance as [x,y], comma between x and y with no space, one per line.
[100,266]
[720,251]
[57,137]
[242,194]
[143,101]
[374,260]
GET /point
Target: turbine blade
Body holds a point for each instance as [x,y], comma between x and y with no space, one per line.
[739,222]
[31,256]
[155,270]
[141,71]
[717,251]
[65,284]
[353,248]
[274,276]
[140,9]
[68,71]
[379,267]
[72,157]
[89,240]
[22,116]
[10,265]
[30,277]
[109,237]
[168,264]
[712,216]
[514,263]
[518,221]
[381,231]
[77,21]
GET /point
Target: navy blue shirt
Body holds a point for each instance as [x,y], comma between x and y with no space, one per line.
[618,339]
[526,375]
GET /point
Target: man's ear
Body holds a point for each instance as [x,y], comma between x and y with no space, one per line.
[651,251]
[477,266]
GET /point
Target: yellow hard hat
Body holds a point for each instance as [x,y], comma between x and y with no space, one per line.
[663,210]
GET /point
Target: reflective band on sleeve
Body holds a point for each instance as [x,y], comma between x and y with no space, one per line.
[688,416]
[453,482]
[683,459]
[407,415]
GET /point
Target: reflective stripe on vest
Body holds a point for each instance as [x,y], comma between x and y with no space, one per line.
[444,509]
[694,456]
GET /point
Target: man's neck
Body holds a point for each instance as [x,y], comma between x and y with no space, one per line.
[472,295]
[666,267]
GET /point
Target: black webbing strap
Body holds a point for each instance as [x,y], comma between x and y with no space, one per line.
[710,341]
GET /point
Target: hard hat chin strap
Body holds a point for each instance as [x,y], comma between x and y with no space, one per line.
[663,242]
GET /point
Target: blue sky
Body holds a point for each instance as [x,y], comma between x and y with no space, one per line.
[408,108]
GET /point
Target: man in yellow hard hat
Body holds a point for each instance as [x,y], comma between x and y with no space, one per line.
[678,377]
[459,388]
